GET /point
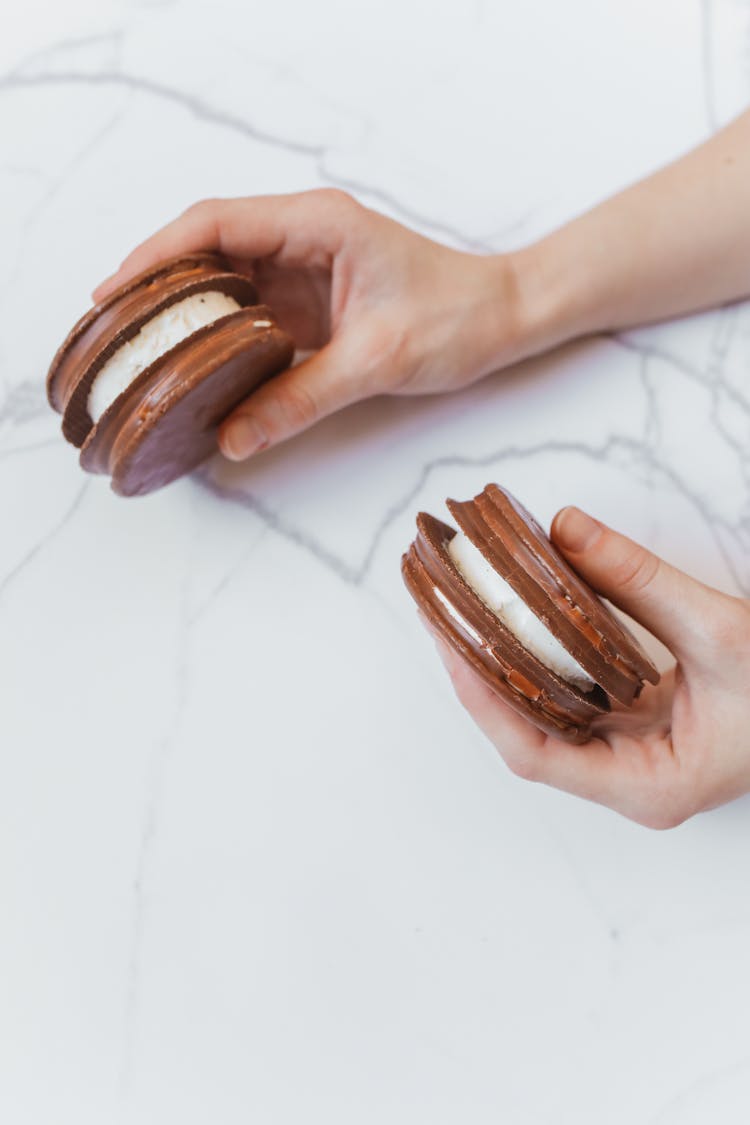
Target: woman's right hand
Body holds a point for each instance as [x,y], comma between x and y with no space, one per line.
[684,746]
[387,310]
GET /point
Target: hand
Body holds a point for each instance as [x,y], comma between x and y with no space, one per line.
[389,311]
[685,745]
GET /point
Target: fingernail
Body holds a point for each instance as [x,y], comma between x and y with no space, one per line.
[242,437]
[575,531]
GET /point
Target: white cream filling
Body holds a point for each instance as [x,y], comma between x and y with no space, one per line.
[458,617]
[512,610]
[157,336]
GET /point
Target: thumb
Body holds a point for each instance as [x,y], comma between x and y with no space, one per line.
[287,404]
[670,604]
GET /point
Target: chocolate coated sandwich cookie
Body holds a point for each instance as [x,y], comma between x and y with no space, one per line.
[144,378]
[500,593]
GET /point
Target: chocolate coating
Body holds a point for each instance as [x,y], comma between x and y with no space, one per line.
[512,672]
[165,423]
[120,317]
[58,380]
[517,548]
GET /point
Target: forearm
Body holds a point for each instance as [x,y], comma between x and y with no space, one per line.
[673,243]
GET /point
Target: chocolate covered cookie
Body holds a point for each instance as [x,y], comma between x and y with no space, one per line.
[144,379]
[500,593]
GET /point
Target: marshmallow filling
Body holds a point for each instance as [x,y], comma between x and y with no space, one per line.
[514,613]
[164,331]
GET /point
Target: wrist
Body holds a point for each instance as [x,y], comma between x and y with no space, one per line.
[547,304]
[512,305]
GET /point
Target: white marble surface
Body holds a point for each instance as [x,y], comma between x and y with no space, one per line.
[256,865]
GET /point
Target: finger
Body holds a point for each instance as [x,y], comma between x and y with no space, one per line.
[289,403]
[671,604]
[588,771]
[301,228]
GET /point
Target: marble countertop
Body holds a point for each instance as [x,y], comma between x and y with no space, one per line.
[256,864]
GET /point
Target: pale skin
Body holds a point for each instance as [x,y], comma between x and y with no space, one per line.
[390,312]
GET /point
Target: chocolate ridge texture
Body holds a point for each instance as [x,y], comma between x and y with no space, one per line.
[119,320]
[518,550]
[165,421]
[186,265]
[514,673]
[516,547]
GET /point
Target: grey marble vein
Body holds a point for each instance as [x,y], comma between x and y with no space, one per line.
[211,598]
[112,39]
[653,420]
[609,450]
[714,375]
[45,541]
[56,184]
[713,378]
[277,522]
[122,1000]
[190,102]
[24,170]
[31,447]
[24,402]
[704,1083]
[657,351]
[148,836]
[203,110]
